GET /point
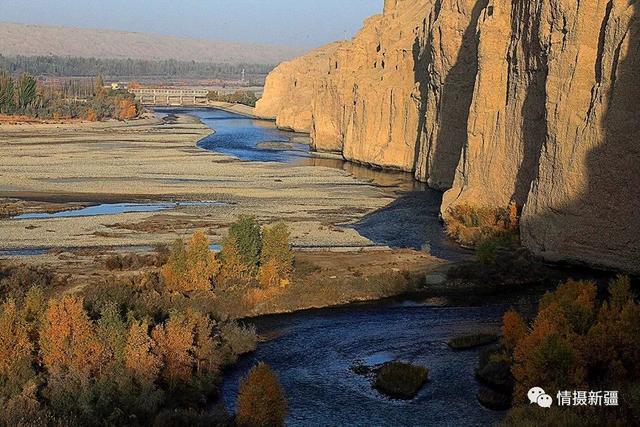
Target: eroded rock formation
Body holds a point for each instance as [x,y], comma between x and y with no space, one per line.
[532,101]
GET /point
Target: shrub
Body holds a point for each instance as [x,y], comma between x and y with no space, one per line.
[401,380]
[473,225]
[241,339]
[471,341]
[261,400]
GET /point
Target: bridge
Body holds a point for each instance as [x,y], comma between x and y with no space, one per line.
[171,97]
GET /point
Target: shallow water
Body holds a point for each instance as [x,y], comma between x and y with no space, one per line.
[113,209]
[247,139]
[314,351]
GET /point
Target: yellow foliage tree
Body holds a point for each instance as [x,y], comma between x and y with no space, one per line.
[276,257]
[193,268]
[233,271]
[68,342]
[261,401]
[141,363]
[174,347]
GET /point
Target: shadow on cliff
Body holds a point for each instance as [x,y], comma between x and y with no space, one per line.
[602,224]
[412,221]
[454,103]
[525,20]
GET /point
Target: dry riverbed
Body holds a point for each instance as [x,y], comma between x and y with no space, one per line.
[157,160]
[59,167]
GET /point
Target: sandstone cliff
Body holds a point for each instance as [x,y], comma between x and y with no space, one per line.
[290,88]
[532,101]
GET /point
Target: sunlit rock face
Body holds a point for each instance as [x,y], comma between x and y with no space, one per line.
[290,88]
[532,101]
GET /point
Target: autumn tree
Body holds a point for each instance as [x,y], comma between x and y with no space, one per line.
[233,271]
[276,257]
[261,400]
[192,268]
[141,362]
[16,350]
[7,93]
[514,329]
[126,109]
[174,347]
[71,354]
[25,91]
[98,88]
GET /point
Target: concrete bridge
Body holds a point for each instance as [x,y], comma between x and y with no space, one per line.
[171,97]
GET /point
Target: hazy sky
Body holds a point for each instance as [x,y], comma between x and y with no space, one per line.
[304,23]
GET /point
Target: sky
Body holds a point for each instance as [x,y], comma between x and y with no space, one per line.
[300,23]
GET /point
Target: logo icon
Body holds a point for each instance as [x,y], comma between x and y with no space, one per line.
[537,395]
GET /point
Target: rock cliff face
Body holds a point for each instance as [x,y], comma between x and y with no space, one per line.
[290,88]
[532,101]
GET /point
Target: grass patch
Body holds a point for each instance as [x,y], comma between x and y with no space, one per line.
[400,380]
[472,341]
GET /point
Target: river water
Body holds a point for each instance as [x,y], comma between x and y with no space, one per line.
[312,352]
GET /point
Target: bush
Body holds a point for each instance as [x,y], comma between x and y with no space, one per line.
[16,279]
[261,400]
[240,339]
[471,341]
[473,225]
[401,380]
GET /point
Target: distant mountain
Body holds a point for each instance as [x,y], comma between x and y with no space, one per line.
[31,40]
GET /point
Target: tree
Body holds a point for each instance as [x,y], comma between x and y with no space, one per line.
[26,91]
[514,329]
[174,346]
[72,355]
[112,333]
[174,272]
[67,339]
[141,363]
[98,89]
[7,93]
[192,268]
[16,349]
[248,238]
[276,258]
[202,265]
[233,271]
[261,400]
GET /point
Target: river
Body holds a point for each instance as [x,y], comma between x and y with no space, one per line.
[312,352]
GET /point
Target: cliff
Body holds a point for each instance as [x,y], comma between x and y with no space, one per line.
[532,101]
[290,88]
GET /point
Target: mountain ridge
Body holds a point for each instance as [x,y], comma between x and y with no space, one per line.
[44,40]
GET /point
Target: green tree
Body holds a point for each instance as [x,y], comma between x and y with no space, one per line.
[261,400]
[7,89]
[248,238]
[276,257]
[26,91]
